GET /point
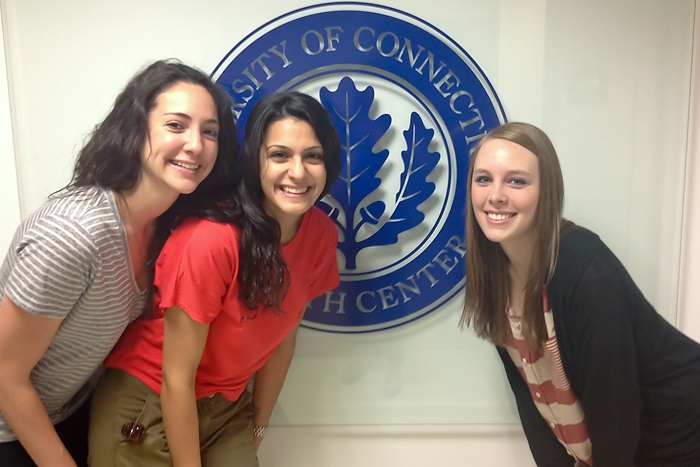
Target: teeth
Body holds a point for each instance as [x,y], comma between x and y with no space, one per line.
[295,191]
[499,217]
[186,165]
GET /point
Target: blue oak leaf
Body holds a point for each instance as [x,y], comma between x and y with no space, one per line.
[349,109]
[414,189]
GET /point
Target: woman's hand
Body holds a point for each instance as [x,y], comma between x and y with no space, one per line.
[257,441]
[270,378]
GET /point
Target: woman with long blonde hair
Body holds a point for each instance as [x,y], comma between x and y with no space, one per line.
[599,377]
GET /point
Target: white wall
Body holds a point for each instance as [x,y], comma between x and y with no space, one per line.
[689,296]
[9,194]
[405,446]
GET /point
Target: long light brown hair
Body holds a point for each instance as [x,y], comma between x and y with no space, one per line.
[488,281]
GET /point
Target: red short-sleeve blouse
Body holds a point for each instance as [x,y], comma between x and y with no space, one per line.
[197,271]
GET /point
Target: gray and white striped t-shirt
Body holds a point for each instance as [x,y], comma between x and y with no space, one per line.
[70,260]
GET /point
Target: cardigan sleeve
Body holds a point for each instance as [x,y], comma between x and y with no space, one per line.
[544,445]
[598,342]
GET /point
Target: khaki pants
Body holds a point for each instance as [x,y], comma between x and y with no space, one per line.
[225,427]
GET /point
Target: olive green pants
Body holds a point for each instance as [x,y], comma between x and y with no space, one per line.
[225,427]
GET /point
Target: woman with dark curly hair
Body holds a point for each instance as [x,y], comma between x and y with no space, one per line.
[230,294]
[80,269]
[599,377]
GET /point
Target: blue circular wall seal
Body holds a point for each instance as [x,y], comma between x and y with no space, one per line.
[409,105]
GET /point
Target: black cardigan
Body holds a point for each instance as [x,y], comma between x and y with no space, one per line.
[636,376]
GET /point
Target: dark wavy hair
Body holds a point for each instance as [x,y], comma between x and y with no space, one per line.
[112,155]
[263,274]
[488,282]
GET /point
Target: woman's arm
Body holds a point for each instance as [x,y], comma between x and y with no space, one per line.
[598,349]
[183,344]
[24,338]
[270,378]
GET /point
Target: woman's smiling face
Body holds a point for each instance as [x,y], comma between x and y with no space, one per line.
[183,141]
[505,191]
[292,169]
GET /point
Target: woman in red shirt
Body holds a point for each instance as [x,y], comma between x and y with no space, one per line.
[231,289]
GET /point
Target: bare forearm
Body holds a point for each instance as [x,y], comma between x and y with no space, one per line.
[23,340]
[183,343]
[269,381]
[22,408]
[181,424]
